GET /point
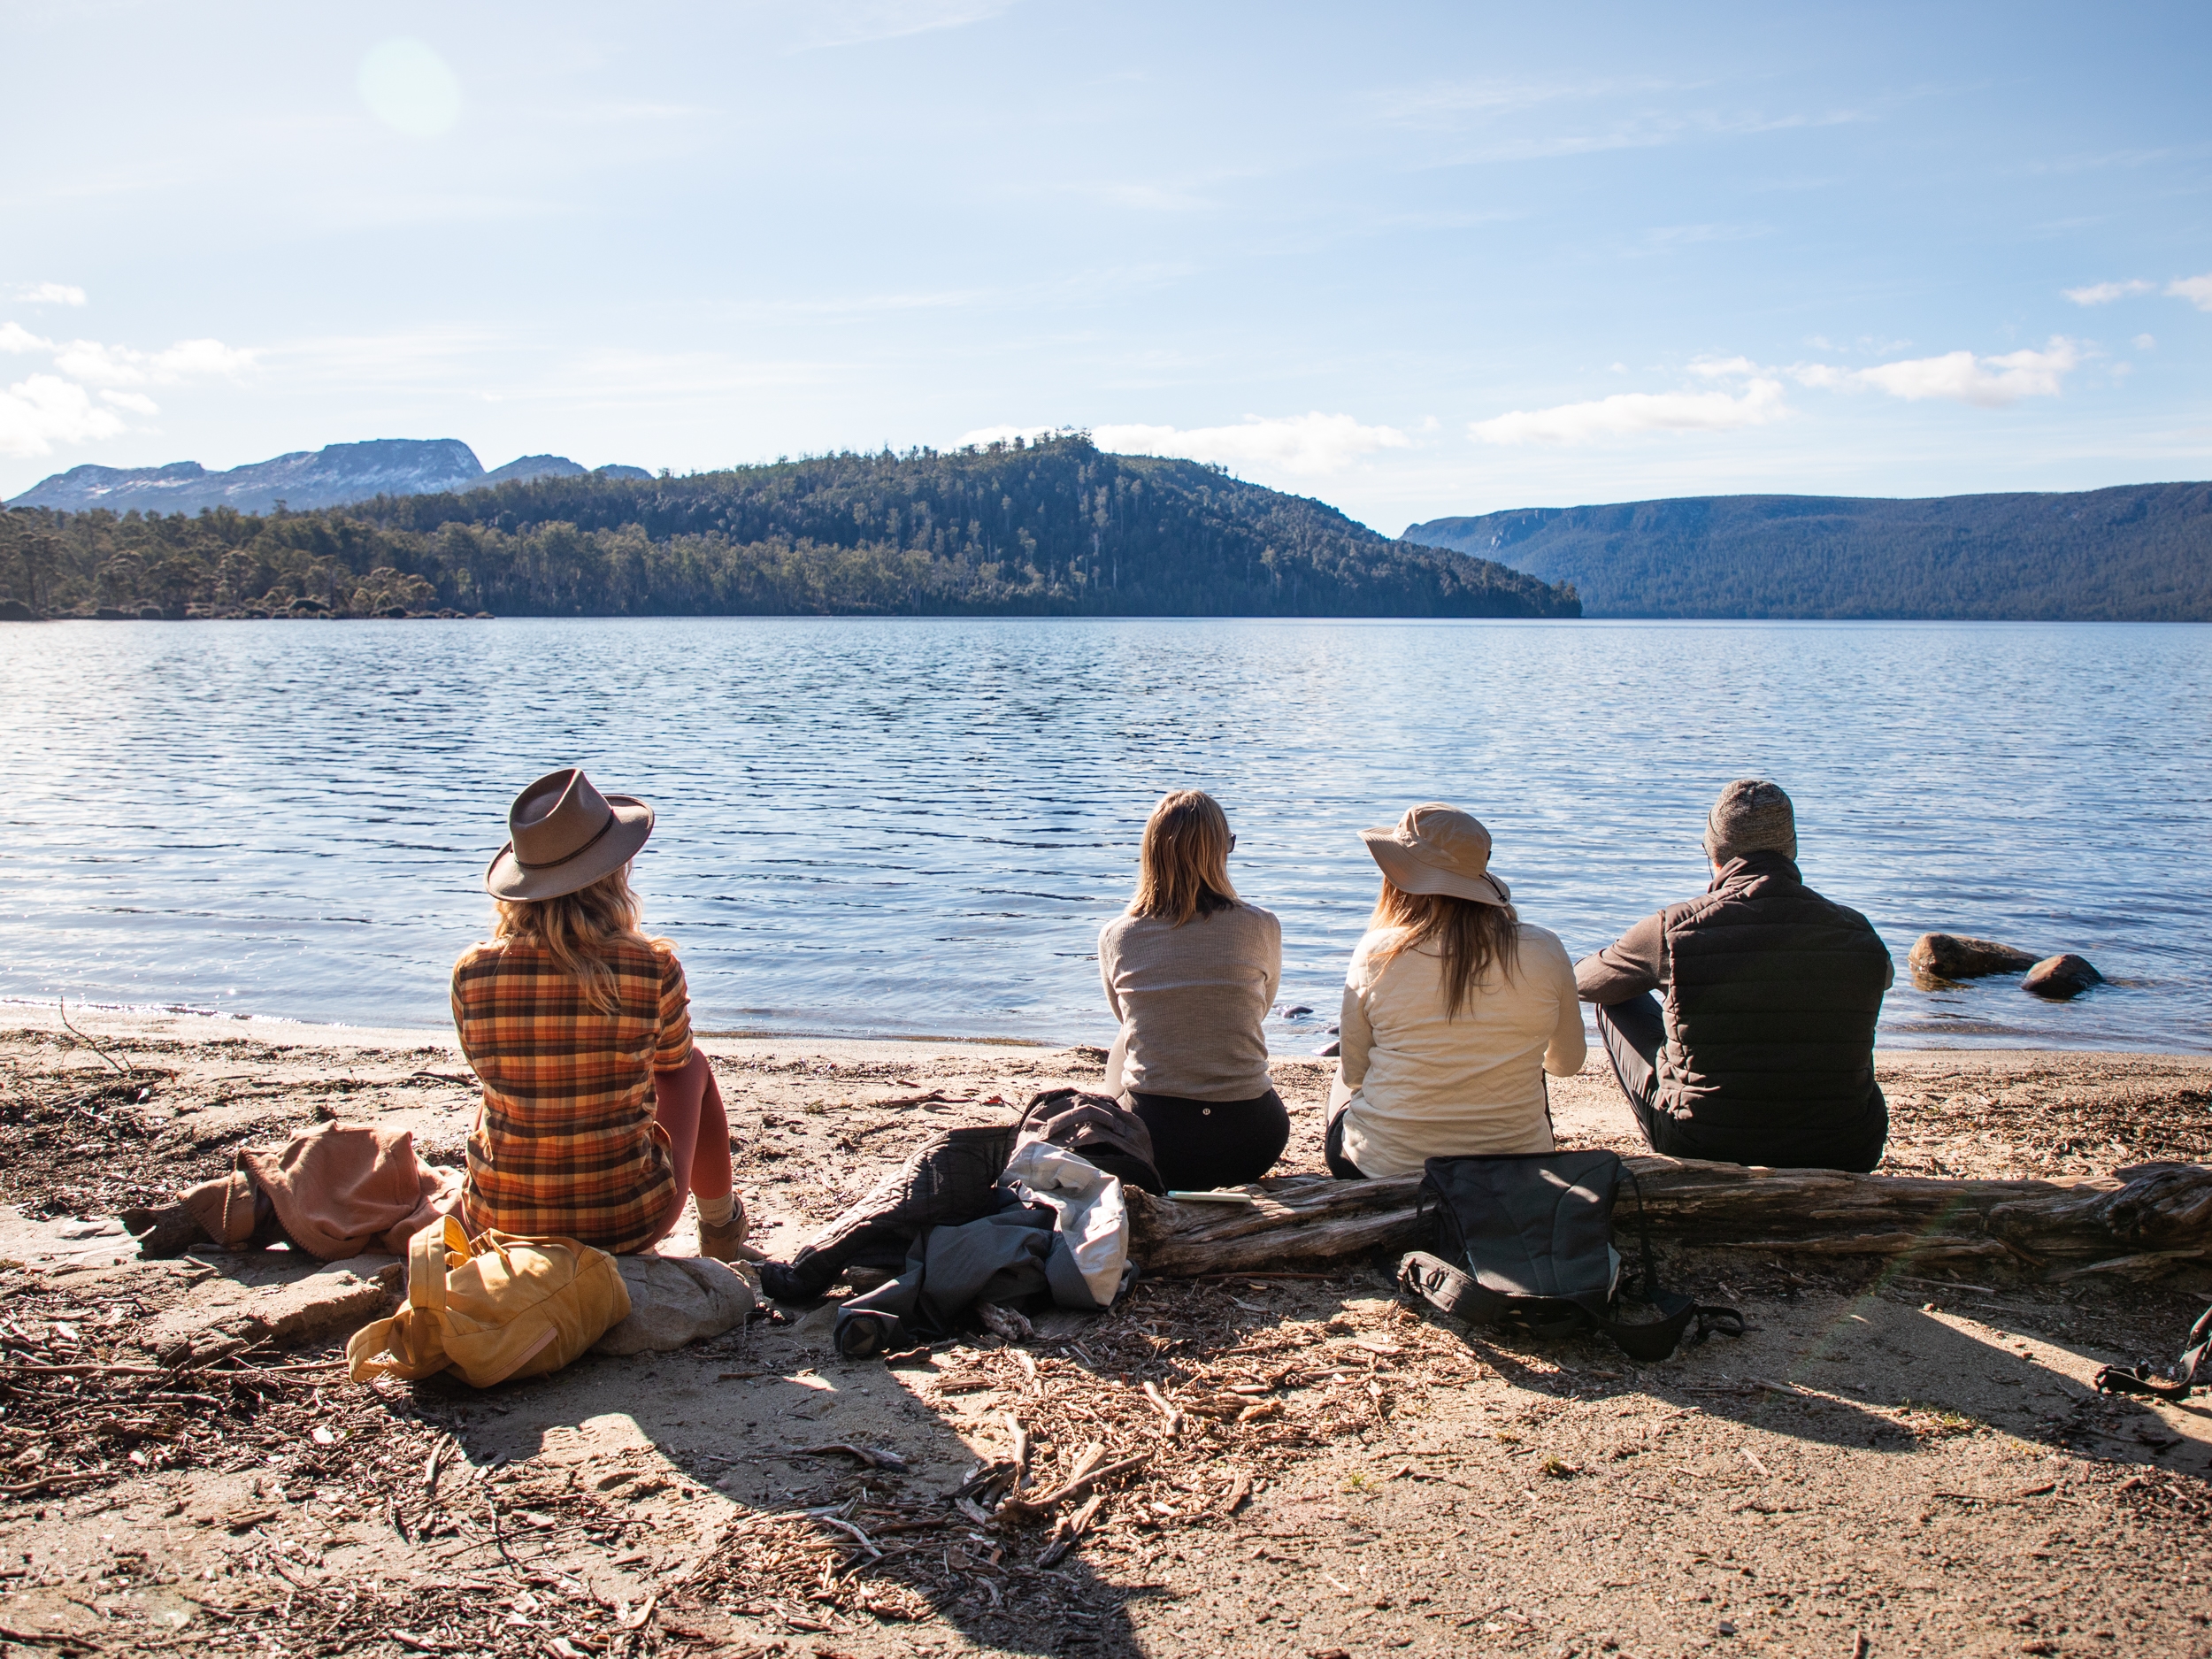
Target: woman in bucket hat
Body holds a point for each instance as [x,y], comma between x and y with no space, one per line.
[599,1114]
[1454,1010]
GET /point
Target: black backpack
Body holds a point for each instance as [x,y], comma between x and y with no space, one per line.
[1527,1242]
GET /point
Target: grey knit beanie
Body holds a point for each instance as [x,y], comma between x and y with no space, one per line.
[1752,815]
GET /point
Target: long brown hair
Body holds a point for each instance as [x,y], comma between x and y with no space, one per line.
[576,929]
[1183,868]
[1469,936]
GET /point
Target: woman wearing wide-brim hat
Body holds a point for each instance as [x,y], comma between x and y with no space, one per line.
[600,1115]
[1454,1010]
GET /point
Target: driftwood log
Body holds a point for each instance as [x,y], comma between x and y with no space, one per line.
[2138,1222]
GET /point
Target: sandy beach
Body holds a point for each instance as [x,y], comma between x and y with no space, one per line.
[1887,1463]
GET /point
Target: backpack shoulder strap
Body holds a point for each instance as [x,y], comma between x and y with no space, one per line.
[1444,1287]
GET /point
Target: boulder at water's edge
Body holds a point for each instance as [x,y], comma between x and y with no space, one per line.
[1954,956]
[2060,977]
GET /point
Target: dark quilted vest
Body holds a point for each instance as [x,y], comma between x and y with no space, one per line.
[1771,1001]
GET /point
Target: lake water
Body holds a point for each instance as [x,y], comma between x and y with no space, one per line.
[916,827]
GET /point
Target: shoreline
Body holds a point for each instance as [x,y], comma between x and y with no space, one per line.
[173,1022]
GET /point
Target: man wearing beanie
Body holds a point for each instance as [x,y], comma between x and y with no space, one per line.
[1762,1051]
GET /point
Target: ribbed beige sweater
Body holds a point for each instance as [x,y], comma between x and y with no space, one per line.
[1192,999]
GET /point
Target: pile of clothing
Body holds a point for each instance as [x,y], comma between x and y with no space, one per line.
[1020,1215]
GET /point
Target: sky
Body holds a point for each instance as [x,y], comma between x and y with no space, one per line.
[1413,260]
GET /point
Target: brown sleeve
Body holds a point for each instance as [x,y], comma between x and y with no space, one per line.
[1631,964]
[674,1047]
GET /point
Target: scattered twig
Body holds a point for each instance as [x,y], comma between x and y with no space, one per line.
[62,1004]
[868,1456]
[1160,1403]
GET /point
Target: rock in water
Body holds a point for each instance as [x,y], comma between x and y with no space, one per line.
[1954,956]
[2060,977]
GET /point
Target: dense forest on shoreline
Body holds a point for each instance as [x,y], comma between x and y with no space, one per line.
[1051,528]
[2137,553]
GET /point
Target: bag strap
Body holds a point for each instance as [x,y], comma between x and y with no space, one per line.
[2141,1379]
[427,1253]
[1444,1287]
[1647,1287]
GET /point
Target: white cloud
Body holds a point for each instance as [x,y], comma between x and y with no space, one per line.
[2145,342]
[47,294]
[1986,382]
[1309,445]
[1628,414]
[44,409]
[121,366]
[2105,293]
[2196,290]
[856,22]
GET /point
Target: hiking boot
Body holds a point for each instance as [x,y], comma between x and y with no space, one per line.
[726,1243]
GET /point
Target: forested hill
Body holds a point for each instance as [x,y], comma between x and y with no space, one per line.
[1053,529]
[2141,553]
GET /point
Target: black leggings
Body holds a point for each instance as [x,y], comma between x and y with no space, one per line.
[1332,1149]
[1198,1144]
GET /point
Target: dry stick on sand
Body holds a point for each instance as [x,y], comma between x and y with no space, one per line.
[61,1004]
[1160,1403]
[1014,1509]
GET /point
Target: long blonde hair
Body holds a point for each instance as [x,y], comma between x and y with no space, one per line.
[577,928]
[1469,936]
[1182,867]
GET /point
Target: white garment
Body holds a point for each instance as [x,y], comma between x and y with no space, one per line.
[1094,1222]
[1423,1086]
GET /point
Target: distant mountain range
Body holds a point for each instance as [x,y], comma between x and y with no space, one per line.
[2139,553]
[304,480]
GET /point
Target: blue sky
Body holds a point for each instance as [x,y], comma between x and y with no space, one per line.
[1410,259]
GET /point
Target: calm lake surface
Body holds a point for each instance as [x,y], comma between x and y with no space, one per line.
[916,827]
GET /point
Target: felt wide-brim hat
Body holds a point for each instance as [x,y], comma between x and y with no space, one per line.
[564,835]
[1438,849]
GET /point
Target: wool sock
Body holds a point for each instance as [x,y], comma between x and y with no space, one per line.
[717,1212]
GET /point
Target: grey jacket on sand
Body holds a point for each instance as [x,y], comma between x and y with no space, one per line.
[1770,994]
[1192,998]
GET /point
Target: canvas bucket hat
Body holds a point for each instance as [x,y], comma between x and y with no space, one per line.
[564,835]
[1438,849]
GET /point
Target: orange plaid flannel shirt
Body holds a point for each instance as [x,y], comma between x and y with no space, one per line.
[565,1145]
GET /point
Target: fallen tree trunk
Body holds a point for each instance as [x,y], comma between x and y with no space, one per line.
[2139,1222]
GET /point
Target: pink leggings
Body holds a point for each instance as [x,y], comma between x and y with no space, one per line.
[688,1107]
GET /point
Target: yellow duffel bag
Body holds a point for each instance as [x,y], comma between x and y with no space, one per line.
[494,1308]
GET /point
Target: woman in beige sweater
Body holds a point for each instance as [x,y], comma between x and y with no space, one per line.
[1190,971]
[1453,1011]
